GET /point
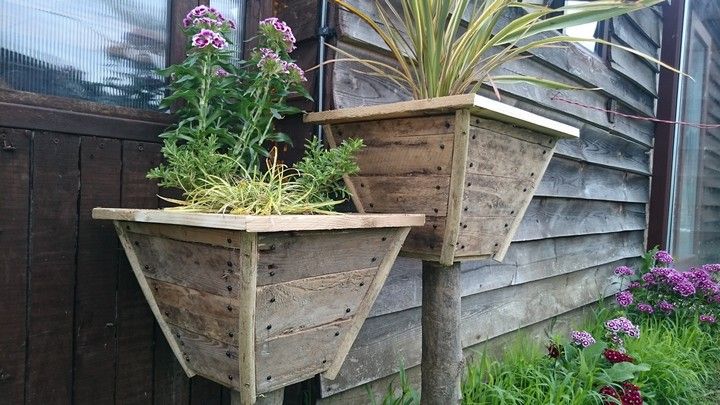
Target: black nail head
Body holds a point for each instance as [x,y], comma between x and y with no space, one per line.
[337,333]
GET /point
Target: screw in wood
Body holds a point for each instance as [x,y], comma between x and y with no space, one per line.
[268,327]
[435,226]
[437,187]
[272,273]
[439,168]
[372,205]
[228,353]
[464,226]
[373,259]
[442,146]
[362,284]
[230,377]
[472,164]
[167,313]
[229,263]
[272,299]
[229,288]
[140,147]
[436,210]
[337,333]
[147,267]
[268,378]
[231,334]
[506,225]
[137,243]
[383,239]
[229,308]
[229,240]
[347,310]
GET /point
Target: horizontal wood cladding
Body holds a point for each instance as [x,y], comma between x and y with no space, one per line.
[587,216]
[386,340]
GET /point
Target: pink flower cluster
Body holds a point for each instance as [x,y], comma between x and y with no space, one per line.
[624,298]
[666,306]
[207,17]
[269,59]
[209,37]
[624,271]
[622,325]
[663,257]
[645,307]
[282,28]
[707,318]
[582,338]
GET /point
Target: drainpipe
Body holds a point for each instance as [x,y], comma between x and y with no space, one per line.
[324,33]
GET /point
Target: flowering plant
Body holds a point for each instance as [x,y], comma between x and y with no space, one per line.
[660,289]
[227,116]
[226,112]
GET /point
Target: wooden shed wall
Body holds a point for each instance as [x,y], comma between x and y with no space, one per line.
[588,215]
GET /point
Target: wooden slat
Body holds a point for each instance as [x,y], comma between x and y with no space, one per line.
[525,262]
[404,156]
[298,305]
[460,159]
[247,304]
[208,236]
[213,316]
[553,217]
[290,358]
[210,358]
[648,23]
[427,238]
[368,301]
[96,281]
[423,194]
[135,331]
[573,179]
[386,340]
[56,181]
[268,223]
[443,124]
[478,105]
[289,256]
[202,267]
[15,178]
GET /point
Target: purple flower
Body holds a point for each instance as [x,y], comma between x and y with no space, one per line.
[711,268]
[269,59]
[282,28]
[663,256]
[220,72]
[648,278]
[634,285]
[622,325]
[186,22]
[707,318]
[646,308]
[206,37]
[665,306]
[714,299]
[623,271]
[201,41]
[199,11]
[582,338]
[219,42]
[624,298]
[685,288]
[294,69]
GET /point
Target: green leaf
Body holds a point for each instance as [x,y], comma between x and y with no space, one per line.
[550,84]
[625,371]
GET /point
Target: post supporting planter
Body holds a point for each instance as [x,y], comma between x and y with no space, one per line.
[271,398]
[442,358]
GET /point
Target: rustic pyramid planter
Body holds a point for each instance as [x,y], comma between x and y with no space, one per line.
[469,163]
[257,303]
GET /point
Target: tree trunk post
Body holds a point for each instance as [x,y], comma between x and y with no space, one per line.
[269,398]
[442,357]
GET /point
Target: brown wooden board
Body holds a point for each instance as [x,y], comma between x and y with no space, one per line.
[96,281]
[210,358]
[291,256]
[54,203]
[135,333]
[15,178]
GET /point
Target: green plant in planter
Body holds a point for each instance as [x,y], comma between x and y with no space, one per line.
[449,47]
[227,114]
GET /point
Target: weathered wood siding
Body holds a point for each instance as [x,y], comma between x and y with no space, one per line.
[588,215]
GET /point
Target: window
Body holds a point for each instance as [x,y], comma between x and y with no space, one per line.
[694,214]
[590,30]
[103,51]
[233,10]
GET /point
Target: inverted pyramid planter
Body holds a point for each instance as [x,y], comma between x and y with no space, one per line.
[259,302]
[469,163]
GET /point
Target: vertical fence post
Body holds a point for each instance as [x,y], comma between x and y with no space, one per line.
[268,398]
[442,358]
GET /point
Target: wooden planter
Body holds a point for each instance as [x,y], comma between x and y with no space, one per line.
[257,303]
[469,163]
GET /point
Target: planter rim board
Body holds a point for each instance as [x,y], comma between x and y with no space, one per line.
[260,223]
[476,104]
[469,163]
[257,303]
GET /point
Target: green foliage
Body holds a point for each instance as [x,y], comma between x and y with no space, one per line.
[446,47]
[404,394]
[226,112]
[321,171]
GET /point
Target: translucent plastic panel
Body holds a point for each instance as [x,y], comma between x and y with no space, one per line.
[99,50]
[233,10]
[695,214]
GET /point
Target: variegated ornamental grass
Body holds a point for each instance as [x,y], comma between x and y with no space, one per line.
[449,47]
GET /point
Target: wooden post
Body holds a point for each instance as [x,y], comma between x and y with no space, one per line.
[269,398]
[442,358]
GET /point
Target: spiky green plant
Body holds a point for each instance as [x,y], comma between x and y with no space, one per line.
[448,47]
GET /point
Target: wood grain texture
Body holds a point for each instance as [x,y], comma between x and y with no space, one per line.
[54,199]
[14,231]
[96,280]
[292,256]
[258,223]
[388,339]
[135,331]
[456,193]
[247,303]
[298,305]
[423,194]
[210,358]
